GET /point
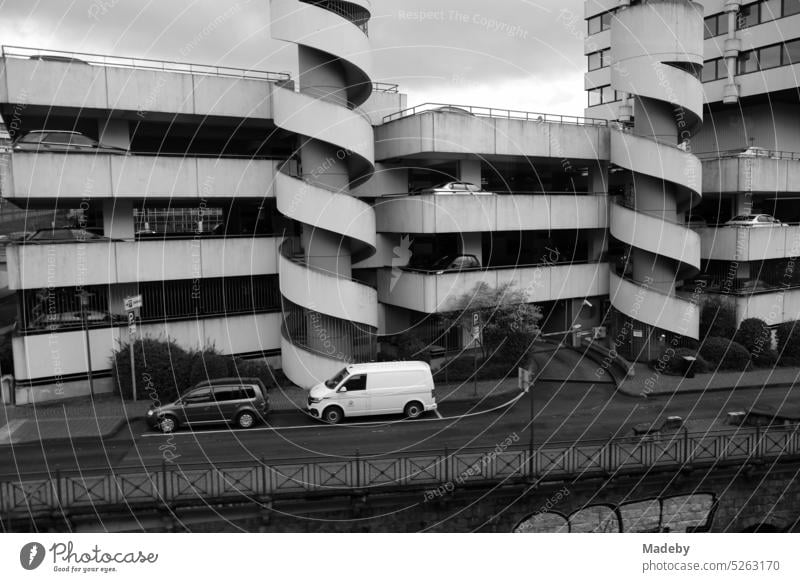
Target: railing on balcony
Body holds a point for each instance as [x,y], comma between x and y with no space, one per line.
[385,87]
[142,64]
[749,153]
[24,495]
[347,10]
[494,113]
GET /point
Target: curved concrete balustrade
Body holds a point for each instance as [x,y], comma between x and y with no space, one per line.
[315,27]
[304,367]
[668,312]
[76,176]
[751,174]
[346,130]
[337,153]
[340,213]
[460,133]
[328,293]
[655,235]
[429,213]
[645,156]
[108,263]
[431,293]
[656,48]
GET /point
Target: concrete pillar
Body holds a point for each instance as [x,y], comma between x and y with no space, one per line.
[323,165]
[743,203]
[470,171]
[322,76]
[326,250]
[114,132]
[118,218]
[471,243]
[598,178]
[597,243]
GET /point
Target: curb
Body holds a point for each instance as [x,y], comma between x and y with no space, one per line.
[701,390]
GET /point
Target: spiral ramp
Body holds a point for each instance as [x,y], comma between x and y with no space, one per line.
[661,75]
[329,319]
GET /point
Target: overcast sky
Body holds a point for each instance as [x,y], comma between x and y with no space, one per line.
[517,54]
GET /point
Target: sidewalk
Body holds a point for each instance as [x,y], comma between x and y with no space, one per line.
[80,418]
[648,382]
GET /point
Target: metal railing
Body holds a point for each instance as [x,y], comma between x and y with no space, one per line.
[144,64]
[170,484]
[495,191]
[515,266]
[494,113]
[749,153]
[385,87]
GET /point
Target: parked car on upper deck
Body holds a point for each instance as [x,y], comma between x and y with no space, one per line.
[754,220]
[64,234]
[454,188]
[451,263]
[43,141]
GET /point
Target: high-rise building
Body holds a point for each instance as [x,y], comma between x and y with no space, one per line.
[309,221]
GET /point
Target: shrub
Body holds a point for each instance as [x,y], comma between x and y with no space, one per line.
[725,354]
[766,358]
[409,346]
[754,335]
[788,335]
[162,369]
[207,365]
[671,362]
[717,319]
[461,369]
[239,368]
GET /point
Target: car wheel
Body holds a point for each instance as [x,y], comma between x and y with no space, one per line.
[414,409]
[168,424]
[333,415]
[245,419]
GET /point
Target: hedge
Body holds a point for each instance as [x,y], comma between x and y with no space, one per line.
[725,354]
[672,362]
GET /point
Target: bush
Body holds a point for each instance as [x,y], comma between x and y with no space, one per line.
[717,319]
[671,362]
[239,368]
[208,365]
[754,335]
[725,354]
[409,346]
[461,369]
[788,335]
[163,369]
[765,359]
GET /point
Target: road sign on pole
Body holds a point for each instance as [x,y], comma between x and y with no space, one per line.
[132,306]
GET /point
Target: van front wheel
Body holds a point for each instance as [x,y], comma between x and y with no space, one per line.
[333,415]
[414,409]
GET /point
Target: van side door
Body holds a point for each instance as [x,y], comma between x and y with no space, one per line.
[353,397]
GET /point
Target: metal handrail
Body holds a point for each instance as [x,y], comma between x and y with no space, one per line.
[144,64]
[498,193]
[495,113]
[500,268]
[385,87]
[743,153]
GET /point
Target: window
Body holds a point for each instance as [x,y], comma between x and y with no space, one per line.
[769,57]
[227,393]
[355,383]
[709,71]
[791,7]
[594,25]
[748,16]
[710,30]
[722,24]
[594,61]
[747,63]
[609,95]
[791,53]
[770,10]
[595,97]
[198,396]
[605,21]
[599,23]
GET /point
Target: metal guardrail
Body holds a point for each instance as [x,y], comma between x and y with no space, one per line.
[494,113]
[749,153]
[425,469]
[385,87]
[144,64]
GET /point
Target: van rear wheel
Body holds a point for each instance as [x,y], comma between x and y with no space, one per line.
[245,420]
[414,409]
[333,415]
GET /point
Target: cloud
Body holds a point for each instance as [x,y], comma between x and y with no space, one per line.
[512,54]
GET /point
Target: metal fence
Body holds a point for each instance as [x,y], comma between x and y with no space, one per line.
[171,484]
[494,113]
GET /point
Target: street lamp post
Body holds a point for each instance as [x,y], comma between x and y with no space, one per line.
[84,296]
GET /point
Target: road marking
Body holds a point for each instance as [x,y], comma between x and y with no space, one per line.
[9,429]
[322,425]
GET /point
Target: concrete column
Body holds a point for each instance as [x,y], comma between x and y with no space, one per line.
[322,76]
[743,203]
[470,171]
[598,177]
[471,243]
[324,165]
[597,243]
[118,218]
[114,132]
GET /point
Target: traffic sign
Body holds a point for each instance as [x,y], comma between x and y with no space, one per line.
[134,302]
[131,323]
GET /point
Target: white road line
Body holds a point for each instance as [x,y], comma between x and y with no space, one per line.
[7,432]
[322,425]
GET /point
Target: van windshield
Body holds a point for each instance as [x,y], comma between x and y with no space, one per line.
[334,382]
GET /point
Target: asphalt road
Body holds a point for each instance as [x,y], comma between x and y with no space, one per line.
[563,413]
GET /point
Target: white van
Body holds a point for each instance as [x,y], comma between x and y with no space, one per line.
[371,389]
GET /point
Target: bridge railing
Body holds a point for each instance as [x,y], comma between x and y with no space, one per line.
[432,472]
